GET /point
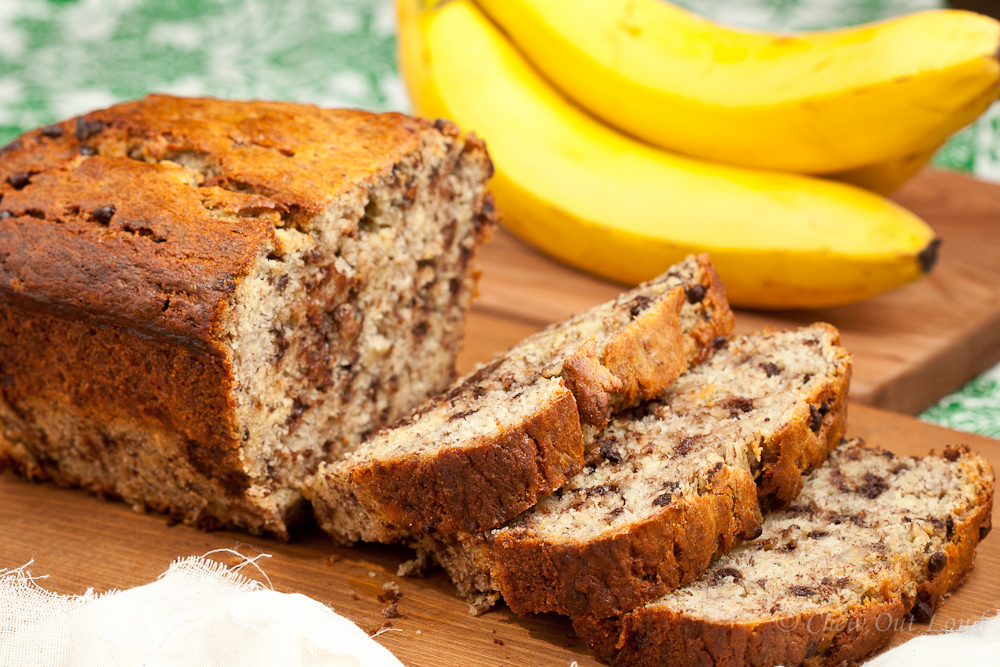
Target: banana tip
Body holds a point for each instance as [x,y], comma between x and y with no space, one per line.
[928,256]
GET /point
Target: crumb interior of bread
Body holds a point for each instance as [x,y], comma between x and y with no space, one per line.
[456,422]
[864,521]
[714,416]
[355,315]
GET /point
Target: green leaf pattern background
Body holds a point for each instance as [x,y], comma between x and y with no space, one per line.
[60,58]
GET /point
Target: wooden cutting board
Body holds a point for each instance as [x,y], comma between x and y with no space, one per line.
[911,346]
[82,541]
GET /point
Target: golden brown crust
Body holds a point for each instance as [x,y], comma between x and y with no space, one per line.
[645,364]
[960,552]
[70,418]
[591,383]
[866,629]
[669,638]
[393,488]
[613,574]
[61,259]
[870,628]
[147,376]
[172,237]
[467,489]
[706,333]
[817,639]
[649,354]
[281,150]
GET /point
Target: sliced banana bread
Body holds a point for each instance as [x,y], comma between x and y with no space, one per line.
[513,431]
[669,484]
[200,300]
[872,538]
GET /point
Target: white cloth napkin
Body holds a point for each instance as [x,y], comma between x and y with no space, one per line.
[969,645]
[199,612]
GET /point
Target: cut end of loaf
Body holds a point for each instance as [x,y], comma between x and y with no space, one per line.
[348,323]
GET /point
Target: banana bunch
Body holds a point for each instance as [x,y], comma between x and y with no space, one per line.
[625,209]
[820,103]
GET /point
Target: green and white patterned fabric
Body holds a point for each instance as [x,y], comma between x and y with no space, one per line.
[974,408]
[63,58]
[60,58]
[799,15]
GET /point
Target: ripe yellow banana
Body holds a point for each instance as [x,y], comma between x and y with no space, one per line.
[816,103]
[619,208]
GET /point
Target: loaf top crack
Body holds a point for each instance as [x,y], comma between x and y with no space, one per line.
[513,430]
[871,538]
[175,196]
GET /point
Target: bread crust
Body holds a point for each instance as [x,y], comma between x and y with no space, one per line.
[77,264]
[64,385]
[147,374]
[621,571]
[641,348]
[649,354]
[651,635]
[456,489]
[849,648]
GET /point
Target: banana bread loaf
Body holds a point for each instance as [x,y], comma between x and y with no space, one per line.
[514,430]
[873,537]
[200,300]
[670,484]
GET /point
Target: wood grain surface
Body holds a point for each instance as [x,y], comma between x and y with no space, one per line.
[911,346]
[82,541]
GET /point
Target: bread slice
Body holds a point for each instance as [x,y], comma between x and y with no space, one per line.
[668,485]
[872,537]
[200,299]
[513,431]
